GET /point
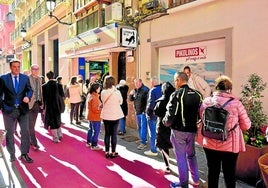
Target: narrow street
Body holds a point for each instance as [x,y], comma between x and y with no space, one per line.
[71,164]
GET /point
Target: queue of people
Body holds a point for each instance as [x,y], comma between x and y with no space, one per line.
[171,115]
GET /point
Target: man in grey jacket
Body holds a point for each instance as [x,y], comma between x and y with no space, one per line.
[35,103]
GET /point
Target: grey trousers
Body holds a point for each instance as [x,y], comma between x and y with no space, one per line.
[10,121]
[33,113]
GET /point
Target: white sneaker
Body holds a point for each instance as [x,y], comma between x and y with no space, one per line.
[96,148]
[88,145]
[150,153]
[142,146]
[167,171]
[194,183]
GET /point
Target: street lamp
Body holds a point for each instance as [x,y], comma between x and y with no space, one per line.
[23,33]
[51,4]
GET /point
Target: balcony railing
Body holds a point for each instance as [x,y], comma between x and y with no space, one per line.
[32,19]
[41,11]
[176,3]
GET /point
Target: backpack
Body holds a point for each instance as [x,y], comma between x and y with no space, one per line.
[214,122]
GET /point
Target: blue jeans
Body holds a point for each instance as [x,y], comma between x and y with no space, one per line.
[184,149]
[142,127]
[152,134]
[122,124]
[93,132]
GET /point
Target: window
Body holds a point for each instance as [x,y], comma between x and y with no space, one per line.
[87,23]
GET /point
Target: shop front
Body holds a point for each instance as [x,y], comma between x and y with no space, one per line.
[197,35]
[97,52]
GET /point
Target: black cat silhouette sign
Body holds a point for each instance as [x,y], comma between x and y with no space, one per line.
[129,38]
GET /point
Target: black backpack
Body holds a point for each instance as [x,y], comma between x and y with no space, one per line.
[214,122]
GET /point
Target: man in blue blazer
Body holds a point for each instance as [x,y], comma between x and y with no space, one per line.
[15,94]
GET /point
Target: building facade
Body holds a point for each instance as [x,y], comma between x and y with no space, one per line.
[7,22]
[74,38]
[213,37]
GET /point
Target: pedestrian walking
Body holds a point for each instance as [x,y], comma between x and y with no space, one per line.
[52,107]
[15,94]
[182,117]
[35,104]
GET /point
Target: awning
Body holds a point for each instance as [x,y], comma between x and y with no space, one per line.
[99,42]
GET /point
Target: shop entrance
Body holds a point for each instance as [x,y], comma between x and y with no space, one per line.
[97,69]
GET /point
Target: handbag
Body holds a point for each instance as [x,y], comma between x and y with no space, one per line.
[107,98]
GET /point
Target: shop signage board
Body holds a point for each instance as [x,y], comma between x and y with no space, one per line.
[129,37]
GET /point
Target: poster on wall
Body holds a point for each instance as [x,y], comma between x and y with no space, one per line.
[206,58]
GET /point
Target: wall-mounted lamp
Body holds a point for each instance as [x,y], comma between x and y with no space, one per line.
[23,33]
[51,4]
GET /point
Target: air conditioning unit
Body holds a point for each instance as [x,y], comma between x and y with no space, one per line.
[128,3]
[151,4]
[113,13]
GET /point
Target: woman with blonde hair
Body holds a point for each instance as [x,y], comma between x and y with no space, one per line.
[74,95]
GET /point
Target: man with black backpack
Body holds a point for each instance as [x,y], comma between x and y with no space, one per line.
[182,117]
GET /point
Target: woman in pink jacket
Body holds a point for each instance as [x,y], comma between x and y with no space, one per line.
[111,113]
[224,153]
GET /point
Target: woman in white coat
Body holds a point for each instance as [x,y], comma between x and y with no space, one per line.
[111,113]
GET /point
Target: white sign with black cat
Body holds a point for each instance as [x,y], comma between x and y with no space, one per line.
[129,37]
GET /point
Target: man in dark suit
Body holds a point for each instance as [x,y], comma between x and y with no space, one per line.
[15,94]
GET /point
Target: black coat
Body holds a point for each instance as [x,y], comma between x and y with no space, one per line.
[123,90]
[52,106]
[163,133]
[140,99]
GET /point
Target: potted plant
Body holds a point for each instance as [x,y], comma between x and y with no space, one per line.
[255,137]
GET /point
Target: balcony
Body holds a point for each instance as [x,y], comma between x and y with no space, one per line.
[20,3]
[10,17]
[176,3]
[37,20]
